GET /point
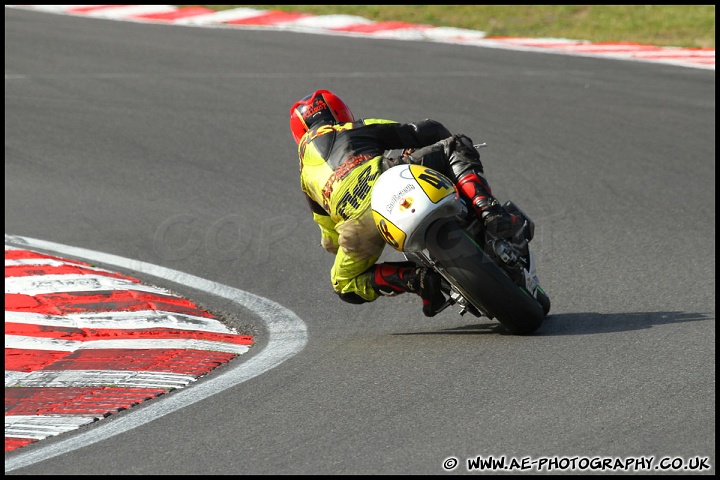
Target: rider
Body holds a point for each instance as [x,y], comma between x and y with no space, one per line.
[340,159]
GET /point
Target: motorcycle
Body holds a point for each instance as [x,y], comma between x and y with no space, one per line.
[419,212]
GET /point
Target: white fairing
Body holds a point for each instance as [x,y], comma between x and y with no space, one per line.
[406,199]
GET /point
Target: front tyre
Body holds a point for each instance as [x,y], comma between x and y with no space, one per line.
[482,281]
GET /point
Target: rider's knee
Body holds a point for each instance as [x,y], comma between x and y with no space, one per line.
[351,297]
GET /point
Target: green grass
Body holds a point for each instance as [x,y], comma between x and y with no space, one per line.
[691,26]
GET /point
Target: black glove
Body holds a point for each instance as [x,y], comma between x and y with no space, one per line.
[464,146]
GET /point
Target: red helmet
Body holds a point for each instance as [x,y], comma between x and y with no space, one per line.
[321,107]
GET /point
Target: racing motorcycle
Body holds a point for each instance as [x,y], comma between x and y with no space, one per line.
[419,212]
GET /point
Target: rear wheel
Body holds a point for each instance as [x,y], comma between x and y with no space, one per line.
[483,282]
[544,300]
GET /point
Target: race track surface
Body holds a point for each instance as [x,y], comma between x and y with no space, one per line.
[163,151]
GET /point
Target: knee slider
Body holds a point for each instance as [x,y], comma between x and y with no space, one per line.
[351,297]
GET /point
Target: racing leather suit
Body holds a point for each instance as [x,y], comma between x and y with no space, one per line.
[338,168]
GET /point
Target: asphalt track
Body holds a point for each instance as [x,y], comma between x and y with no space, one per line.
[117,134]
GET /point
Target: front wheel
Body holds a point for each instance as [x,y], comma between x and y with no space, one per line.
[483,283]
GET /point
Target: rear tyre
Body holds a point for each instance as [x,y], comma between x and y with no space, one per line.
[544,300]
[483,282]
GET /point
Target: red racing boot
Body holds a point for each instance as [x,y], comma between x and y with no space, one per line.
[394,278]
[499,223]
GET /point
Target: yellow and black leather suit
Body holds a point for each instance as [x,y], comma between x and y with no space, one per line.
[338,168]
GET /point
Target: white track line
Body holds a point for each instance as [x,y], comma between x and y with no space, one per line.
[22,342]
[66,283]
[97,378]
[121,320]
